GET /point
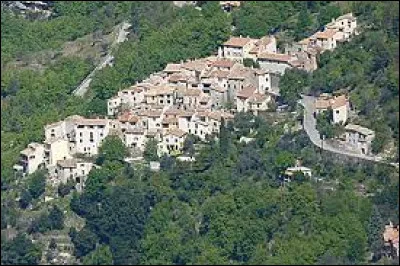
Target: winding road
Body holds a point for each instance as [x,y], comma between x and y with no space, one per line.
[121,37]
[310,124]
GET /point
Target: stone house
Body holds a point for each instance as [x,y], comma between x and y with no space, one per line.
[73,169]
[359,138]
[277,63]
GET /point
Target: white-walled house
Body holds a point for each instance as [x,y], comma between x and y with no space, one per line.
[135,138]
[172,140]
[242,98]
[340,106]
[89,135]
[359,138]
[346,25]
[326,39]
[31,158]
[291,171]
[55,150]
[237,48]
[258,103]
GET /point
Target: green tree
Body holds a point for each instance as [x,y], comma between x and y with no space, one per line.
[303,25]
[64,189]
[25,199]
[375,233]
[112,149]
[84,241]
[37,183]
[150,151]
[188,145]
[327,14]
[292,84]
[20,250]
[100,256]
[56,218]
[52,244]
[224,138]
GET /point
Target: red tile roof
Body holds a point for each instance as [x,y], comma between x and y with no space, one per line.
[237,42]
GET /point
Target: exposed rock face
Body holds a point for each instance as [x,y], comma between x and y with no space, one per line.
[183,3]
[31,9]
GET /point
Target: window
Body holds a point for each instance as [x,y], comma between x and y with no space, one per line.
[101,135]
[176,140]
[101,126]
[91,137]
[90,126]
[80,134]
[81,140]
[81,126]
[337,111]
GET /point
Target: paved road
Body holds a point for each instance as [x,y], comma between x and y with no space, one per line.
[121,37]
[310,128]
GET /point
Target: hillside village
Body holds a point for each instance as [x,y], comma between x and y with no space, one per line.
[195,97]
[214,137]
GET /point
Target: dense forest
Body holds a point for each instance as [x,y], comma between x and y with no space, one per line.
[229,206]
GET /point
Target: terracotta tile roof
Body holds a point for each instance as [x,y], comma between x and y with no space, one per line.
[68,163]
[324,103]
[186,113]
[170,120]
[325,34]
[30,149]
[197,65]
[246,92]
[151,113]
[218,115]
[226,63]
[275,57]
[192,92]
[175,132]
[172,68]
[128,117]
[177,77]
[339,101]
[237,42]
[254,50]
[160,90]
[91,122]
[257,98]
[219,73]
[172,111]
